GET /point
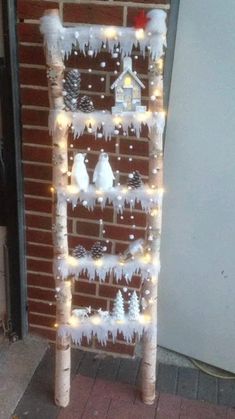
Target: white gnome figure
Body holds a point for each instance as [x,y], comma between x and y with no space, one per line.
[103,176]
[79,175]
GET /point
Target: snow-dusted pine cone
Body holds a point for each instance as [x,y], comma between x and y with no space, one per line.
[71,90]
[79,252]
[86,105]
[97,250]
[134,180]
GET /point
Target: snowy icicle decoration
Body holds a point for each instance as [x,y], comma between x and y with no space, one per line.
[79,175]
[118,309]
[103,176]
[134,308]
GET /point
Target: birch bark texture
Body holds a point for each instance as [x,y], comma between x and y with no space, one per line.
[150,287]
[55,72]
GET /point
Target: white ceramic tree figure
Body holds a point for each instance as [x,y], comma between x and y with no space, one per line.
[118,309]
[134,307]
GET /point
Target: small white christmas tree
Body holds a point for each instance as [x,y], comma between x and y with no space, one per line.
[134,307]
[118,309]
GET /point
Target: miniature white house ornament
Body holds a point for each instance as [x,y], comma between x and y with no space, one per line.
[127,90]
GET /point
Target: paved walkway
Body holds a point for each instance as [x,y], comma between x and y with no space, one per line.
[108,389]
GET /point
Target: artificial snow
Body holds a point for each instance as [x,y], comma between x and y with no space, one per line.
[102,329]
[105,265]
[103,120]
[118,196]
[90,39]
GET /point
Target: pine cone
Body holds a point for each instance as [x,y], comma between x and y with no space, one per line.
[135,180]
[79,252]
[86,105]
[71,90]
[97,250]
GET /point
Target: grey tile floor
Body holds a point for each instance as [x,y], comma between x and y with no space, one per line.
[37,401]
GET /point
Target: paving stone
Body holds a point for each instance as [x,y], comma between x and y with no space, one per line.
[115,391]
[126,410]
[226,392]
[192,409]
[76,358]
[97,407]
[187,385]
[168,406]
[230,414]
[207,388]
[81,389]
[167,378]
[36,406]
[89,365]
[128,370]
[108,368]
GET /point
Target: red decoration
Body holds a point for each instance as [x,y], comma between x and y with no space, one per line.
[141,20]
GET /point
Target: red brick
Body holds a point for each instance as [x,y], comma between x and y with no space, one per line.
[36,319]
[79,61]
[36,265]
[140,148]
[49,334]
[83,301]
[122,233]
[40,280]
[37,171]
[94,14]
[35,236]
[31,54]
[29,32]
[38,221]
[42,307]
[35,117]
[139,219]
[81,212]
[35,250]
[38,205]
[37,154]
[36,293]
[85,287]
[31,9]
[109,291]
[36,136]
[87,229]
[87,140]
[34,97]
[38,189]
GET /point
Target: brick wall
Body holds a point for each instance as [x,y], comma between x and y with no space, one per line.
[126,154]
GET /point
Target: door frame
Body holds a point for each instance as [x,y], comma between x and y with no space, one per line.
[14,197]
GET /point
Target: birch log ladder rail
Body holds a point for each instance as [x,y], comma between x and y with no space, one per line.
[58,43]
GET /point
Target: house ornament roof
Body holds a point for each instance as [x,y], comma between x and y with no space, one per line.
[127,69]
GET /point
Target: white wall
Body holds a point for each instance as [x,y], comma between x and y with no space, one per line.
[197,283]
